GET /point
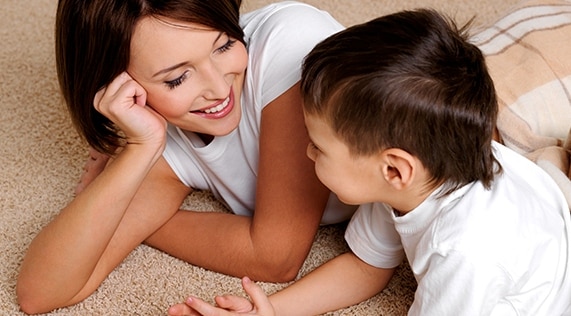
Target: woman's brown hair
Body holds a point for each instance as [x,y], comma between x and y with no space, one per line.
[93,39]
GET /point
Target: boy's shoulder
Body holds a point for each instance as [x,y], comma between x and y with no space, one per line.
[521,197]
[524,175]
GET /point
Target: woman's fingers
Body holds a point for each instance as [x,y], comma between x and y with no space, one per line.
[180,309]
[122,93]
[123,101]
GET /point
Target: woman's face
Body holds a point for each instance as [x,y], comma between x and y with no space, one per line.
[193,75]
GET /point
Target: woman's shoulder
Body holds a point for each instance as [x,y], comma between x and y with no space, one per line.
[287,17]
[278,37]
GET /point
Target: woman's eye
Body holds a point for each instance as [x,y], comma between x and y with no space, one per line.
[226,47]
[171,84]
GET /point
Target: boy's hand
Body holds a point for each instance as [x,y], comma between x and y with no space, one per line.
[229,304]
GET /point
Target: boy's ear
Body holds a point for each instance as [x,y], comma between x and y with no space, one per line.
[398,168]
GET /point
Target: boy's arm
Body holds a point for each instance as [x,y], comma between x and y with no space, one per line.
[345,280]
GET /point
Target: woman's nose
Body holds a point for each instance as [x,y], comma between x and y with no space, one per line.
[216,83]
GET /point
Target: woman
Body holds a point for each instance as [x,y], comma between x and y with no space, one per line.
[195,98]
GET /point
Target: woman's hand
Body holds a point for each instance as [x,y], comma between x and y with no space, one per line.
[123,101]
[133,196]
[229,304]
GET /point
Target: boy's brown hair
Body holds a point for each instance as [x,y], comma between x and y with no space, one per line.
[409,80]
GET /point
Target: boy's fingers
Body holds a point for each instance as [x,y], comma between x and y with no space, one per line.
[258,296]
[203,308]
[234,303]
[229,305]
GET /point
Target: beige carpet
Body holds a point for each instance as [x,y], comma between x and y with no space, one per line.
[41,159]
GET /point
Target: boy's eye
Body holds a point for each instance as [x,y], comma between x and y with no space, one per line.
[171,84]
[312,146]
[312,151]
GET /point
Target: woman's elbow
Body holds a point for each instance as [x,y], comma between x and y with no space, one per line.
[283,274]
[34,299]
[29,303]
[280,269]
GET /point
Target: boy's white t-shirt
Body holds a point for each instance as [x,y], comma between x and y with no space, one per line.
[278,37]
[503,251]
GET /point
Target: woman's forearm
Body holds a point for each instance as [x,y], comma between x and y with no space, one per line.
[227,243]
[63,256]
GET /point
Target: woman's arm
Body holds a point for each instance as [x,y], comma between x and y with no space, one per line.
[273,244]
[74,253]
[135,194]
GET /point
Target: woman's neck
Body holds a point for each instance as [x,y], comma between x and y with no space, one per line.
[207,139]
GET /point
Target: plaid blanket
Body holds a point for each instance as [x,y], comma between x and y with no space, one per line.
[528,52]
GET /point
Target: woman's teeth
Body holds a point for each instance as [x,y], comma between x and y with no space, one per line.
[219,107]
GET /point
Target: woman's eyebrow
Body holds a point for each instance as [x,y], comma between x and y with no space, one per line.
[171,68]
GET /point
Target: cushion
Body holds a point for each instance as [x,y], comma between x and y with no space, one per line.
[528,53]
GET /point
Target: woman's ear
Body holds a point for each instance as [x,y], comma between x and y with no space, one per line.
[398,168]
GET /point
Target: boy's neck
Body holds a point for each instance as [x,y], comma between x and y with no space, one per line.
[406,201]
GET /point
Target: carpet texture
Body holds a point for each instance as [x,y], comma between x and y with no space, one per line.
[41,159]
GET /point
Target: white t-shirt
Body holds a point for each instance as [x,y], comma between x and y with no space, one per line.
[504,251]
[278,37]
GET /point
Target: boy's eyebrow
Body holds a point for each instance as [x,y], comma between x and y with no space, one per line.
[171,68]
[311,139]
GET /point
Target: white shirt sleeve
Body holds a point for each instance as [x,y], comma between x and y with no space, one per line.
[371,235]
[278,37]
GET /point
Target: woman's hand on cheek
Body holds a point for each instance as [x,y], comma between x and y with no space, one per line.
[123,101]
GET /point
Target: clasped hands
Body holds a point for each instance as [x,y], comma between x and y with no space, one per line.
[227,304]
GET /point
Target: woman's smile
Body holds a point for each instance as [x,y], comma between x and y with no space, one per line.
[218,110]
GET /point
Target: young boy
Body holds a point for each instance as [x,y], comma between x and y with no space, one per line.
[401,112]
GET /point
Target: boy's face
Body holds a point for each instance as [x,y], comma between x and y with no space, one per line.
[353,178]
